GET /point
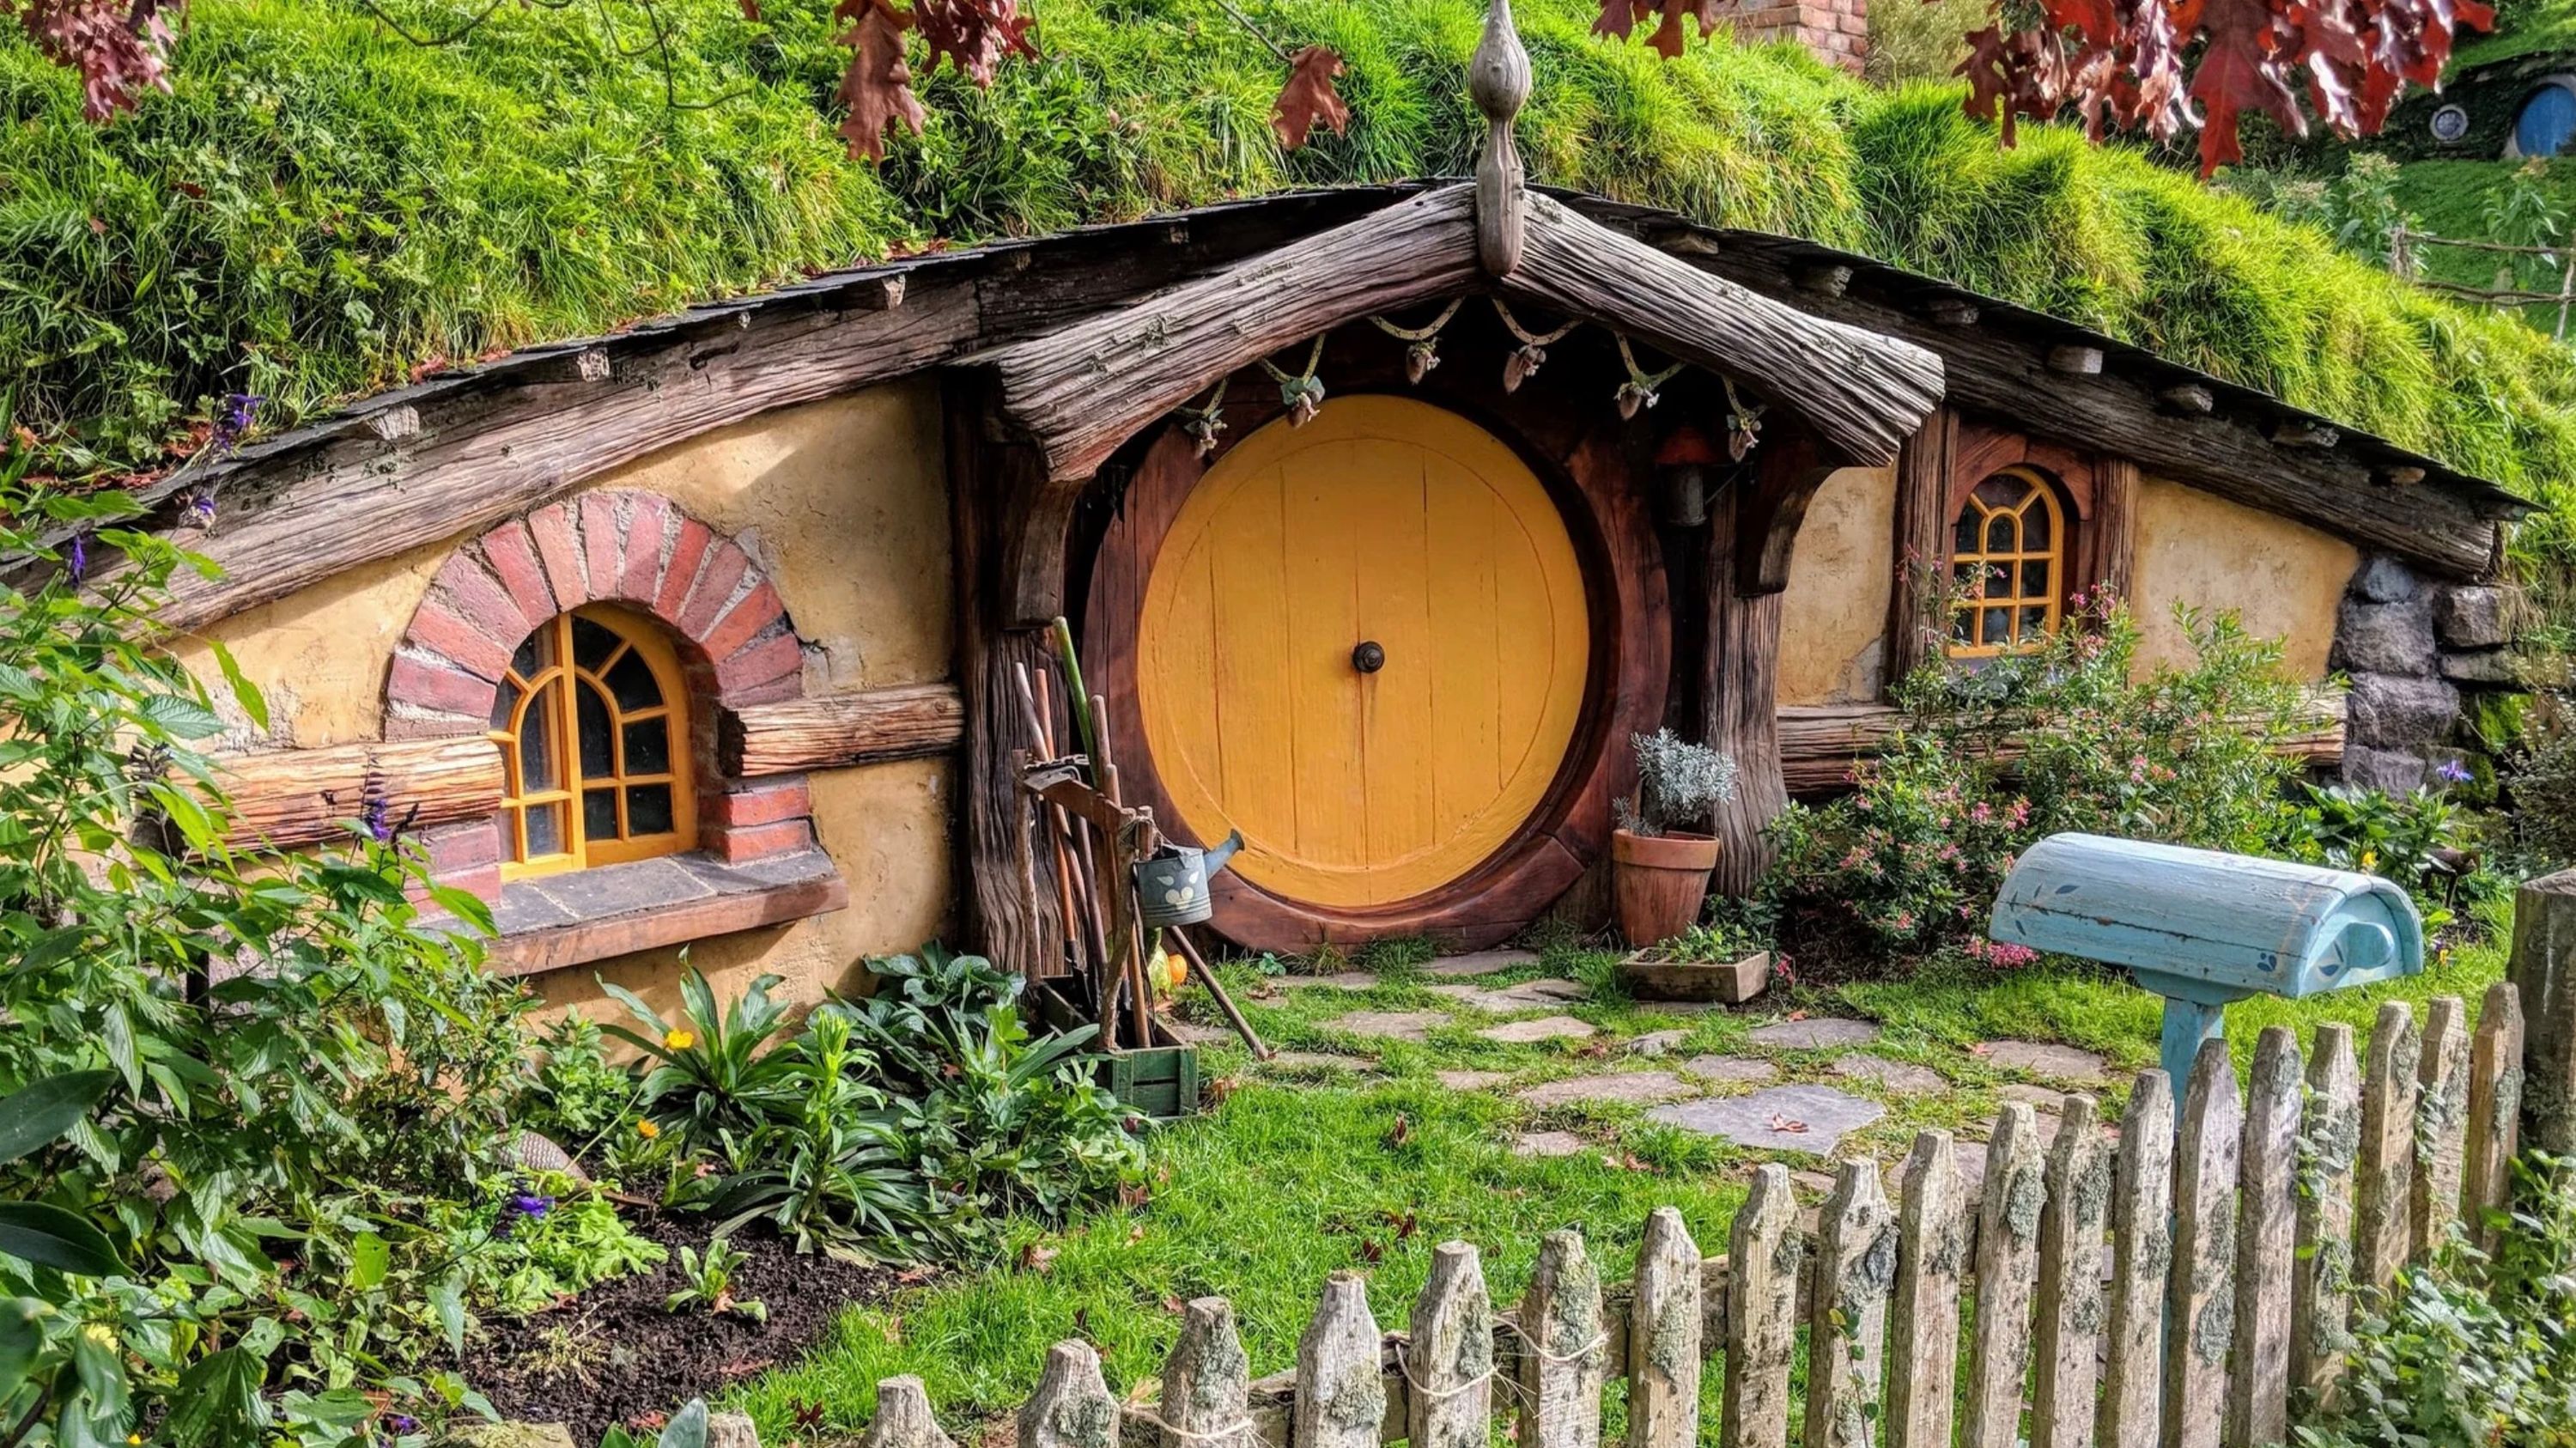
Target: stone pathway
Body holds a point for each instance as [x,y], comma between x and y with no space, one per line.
[1739,1070]
[1545,1028]
[1806,1119]
[1482,962]
[1527,995]
[1548,1143]
[1634,1087]
[2036,1058]
[1813,1033]
[1471,1080]
[1390,1025]
[1317,1061]
[1899,1076]
[1656,1043]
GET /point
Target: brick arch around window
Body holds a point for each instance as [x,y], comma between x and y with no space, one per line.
[630,548]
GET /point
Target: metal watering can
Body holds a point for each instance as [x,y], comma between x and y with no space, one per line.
[1172,885]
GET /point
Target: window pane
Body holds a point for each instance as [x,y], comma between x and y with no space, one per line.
[503,703]
[2034,579]
[1998,580]
[1959,622]
[1998,626]
[2034,529]
[648,809]
[648,747]
[1963,534]
[545,830]
[599,814]
[532,653]
[2034,624]
[592,643]
[1963,579]
[537,750]
[598,755]
[2000,533]
[2003,492]
[633,683]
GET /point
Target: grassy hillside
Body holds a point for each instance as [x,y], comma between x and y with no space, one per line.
[322,207]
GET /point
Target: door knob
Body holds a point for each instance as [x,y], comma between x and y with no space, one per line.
[1369,657]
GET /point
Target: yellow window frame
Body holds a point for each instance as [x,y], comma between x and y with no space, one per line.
[550,699]
[1970,635]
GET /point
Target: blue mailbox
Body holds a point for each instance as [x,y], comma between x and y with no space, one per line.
[2202,928]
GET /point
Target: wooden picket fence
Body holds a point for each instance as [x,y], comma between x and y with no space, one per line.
[2237,1233]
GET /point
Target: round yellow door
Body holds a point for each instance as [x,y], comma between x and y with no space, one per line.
[1363,643]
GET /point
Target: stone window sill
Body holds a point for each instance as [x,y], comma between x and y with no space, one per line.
[555,921]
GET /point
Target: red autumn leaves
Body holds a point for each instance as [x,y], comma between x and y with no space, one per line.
[2120,64]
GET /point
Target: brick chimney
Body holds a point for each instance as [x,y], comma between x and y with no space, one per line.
[1836,30]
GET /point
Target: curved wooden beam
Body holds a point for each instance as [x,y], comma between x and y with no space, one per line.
[1085,389]
[1864,394]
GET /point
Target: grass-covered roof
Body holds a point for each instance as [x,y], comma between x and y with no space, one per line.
[323,208]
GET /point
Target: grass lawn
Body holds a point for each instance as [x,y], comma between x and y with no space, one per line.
[1302,1170]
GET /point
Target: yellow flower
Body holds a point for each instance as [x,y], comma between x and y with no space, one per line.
[647,1130]
[2370,859]
[678,1040]
[133,1438]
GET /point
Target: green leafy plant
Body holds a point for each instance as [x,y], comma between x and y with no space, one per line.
[578,1096]
[294,1058]
[707,1281]
[1678,783]
[1710,943]
[2471,1351]
[2415,838]
[716,1081]
[536,1242]
[686,1429]
[825,1166]
[2541,779]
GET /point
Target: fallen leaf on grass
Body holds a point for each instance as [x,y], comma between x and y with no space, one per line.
[1174,1305]
[1788,1124]
[1135,1234]
[1797,1015]
[745,1367]
[1037,1257]
[1402,1131]
[1132,1195]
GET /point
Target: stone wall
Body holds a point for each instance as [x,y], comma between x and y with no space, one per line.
[1837,30]
[2415,650]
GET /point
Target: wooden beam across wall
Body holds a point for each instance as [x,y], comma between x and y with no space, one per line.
[833,731]
[285,798]
[1819,744]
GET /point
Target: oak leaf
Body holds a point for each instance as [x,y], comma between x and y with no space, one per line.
[2239,71]
[878,85]
[1309,98]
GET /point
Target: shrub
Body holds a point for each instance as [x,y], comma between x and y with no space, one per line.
[1993,755]
[1678,783]
[2469,1351]
[296,1060]
[2542,780]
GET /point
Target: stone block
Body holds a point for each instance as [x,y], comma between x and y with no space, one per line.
[2385,638]
[2482,666]
[2390,710]
[2474,616]
[2392,770]
[2385,580]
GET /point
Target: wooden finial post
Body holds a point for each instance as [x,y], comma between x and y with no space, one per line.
[1498,80]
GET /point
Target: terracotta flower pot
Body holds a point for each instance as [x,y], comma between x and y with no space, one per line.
[1657,883]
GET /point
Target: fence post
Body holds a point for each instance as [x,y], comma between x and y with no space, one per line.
[1206,1381]
[1923,1328]
[1564,1353]
[1847,1322]
[2258,1390]
[2495,1110]
[2008,1215]
[2070,1279]
[2201,1301]
[1449,1357]
[2141,1256]
[2321,1291]
[2440,1113]
[1072,1407]
[903,1417]
[2544,970]
[1762,1255]
[2388,1092]
[1341,1392]
[1664,1337]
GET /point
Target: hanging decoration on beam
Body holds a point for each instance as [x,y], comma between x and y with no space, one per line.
[1204,422]
[1303,392]
[1743,422]
[1533,348]
[1419,356]
[1640,388]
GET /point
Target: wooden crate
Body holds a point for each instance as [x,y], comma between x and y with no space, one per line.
[1161,1081]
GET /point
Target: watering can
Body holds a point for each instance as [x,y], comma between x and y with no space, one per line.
[2201,928]
[1172,883]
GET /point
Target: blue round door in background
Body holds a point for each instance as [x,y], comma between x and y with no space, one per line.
[2547,121]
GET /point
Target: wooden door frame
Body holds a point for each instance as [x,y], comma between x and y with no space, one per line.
[1594,472]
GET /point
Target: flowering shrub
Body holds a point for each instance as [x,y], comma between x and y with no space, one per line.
[1995,754]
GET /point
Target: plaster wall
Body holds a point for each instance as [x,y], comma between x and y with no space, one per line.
[1833,618]
[2285,579]
[844,504]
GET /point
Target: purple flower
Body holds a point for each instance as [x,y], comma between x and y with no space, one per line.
[402,1423]
[521,1205]
[2452,771]
[78,561]
[239,410]
[379,819]
[199,509]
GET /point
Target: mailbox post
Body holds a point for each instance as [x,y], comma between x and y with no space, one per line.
[2202,928]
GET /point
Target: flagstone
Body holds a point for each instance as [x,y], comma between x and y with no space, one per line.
[1741,1070]
[1902,1076]
[1814,1032]
[2039,1058]
[1390,1025]
[1544,1028]
[1471,1080]
[1656,1043]
[1800,1118]
[1638,1087]
[1481,962]
[1548,1143]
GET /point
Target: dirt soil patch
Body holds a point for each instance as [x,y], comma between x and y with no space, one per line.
[613,1355]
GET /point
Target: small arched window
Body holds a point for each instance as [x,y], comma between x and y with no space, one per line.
[592,718]
[2007,566]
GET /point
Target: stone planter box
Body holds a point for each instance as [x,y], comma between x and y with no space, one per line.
[1731,982]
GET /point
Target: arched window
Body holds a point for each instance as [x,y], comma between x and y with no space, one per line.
[592,717]
[2007,566]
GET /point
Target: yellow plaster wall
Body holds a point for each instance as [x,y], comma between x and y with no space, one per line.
[886,826]
[2285,579]
[844,503]
[1833,619]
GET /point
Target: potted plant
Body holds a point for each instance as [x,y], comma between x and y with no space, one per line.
[1715,962]
[1658,869]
